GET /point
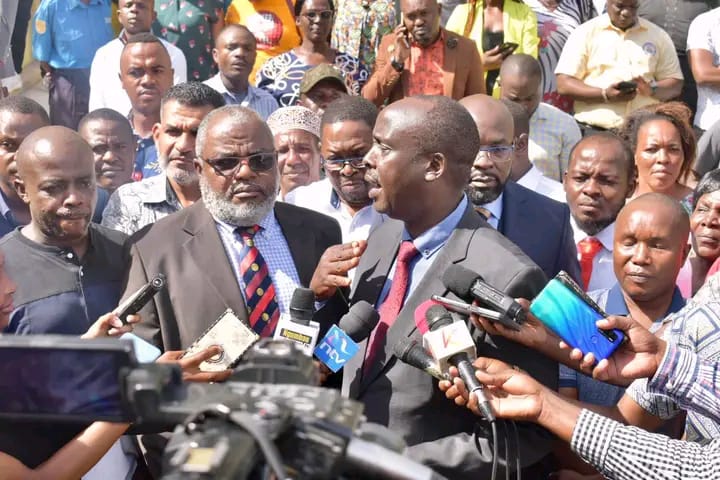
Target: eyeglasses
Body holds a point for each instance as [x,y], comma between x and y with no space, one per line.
[258,162]
[325,15]
[497,153]
[337,164]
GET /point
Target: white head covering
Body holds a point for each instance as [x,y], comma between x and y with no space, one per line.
[294,118]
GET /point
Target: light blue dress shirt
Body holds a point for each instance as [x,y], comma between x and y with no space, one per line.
[274,248]
[67,33]
[428,244]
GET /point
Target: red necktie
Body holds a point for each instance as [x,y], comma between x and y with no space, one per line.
[588,248]
[263,309]
[393,303]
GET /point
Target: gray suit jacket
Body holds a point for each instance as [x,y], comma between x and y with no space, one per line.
[407,400]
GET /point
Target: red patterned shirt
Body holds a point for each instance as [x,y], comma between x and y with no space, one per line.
[426,68]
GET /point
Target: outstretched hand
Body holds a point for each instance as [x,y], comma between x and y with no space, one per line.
[110,325]
[191,365]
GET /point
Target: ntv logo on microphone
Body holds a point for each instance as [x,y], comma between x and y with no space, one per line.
[336,348]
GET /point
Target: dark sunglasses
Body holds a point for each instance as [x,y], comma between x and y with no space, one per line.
[325,15]
[337,164]
[258,162]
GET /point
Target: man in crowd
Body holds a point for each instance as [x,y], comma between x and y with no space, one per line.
[615,64]
[346,136]
[138,204]
[513,210]
[421,58]
[297,140]
[66,35]
[703,47]
[522,171]
[320,86]
[135,16]
[553,132]
[19,117]
[234,53]
[418,168]
[600,178]
[146,74]
[111,139]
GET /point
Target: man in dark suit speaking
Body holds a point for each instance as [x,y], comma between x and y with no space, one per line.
[418,167]
[537,224]
[236,248]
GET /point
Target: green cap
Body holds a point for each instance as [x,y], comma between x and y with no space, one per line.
[321,72]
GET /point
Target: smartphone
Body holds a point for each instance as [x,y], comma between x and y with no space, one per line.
[565,309]
[627,86]
[55,378]
[509,46]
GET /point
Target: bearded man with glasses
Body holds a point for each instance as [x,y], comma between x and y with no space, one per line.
[537,224]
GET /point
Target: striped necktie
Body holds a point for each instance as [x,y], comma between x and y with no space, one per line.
[263,309]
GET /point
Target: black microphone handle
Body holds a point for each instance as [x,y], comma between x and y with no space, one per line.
[467,374]
[375,461]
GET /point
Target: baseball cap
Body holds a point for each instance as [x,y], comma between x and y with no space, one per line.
[321,72]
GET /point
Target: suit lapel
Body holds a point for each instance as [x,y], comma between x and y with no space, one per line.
[449,64]
[301,240]
[454,251]
[202,248]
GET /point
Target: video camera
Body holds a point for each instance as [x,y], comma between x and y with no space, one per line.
[266,418]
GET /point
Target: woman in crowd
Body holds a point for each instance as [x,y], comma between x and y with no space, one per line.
[663,140]
[705,227]
[192,27]
[557,19]
[281,76]
[499,28]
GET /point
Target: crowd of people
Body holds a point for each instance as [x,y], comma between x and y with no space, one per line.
[359,148]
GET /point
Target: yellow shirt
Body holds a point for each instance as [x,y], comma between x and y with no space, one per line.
[272,22]
[519,26]
[600,55]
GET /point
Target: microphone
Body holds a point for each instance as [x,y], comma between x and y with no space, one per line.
[340,343]
[451,344]
[298,327]
[408,351]
[467,284]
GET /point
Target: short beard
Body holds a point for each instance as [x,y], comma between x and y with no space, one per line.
[244,215]
[595,227]
[178,175]
[480,197]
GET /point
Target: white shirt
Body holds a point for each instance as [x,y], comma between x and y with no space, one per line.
[105,88]
[603,275]
[495,208]
[704,34]
[320,197]
[534,180]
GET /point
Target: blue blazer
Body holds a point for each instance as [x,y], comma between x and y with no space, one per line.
[541,228]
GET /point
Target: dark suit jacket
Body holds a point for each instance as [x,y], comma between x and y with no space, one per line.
[540,226]
[463,73]
[406,399]
[187,248]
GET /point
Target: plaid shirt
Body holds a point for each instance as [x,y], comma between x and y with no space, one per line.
[622,452]
[553,133]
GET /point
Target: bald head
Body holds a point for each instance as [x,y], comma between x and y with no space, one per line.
[650,247]
[492,119]
[520,81]
[521,64]
[57,181]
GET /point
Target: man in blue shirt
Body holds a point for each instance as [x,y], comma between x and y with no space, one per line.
[66,34]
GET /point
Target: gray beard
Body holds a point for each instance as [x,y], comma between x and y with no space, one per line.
[245,215]
[178,175]
[483,197]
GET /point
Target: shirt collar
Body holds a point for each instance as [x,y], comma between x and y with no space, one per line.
[268,223]
[495,207]
[216,82]
[78,3]
[605,235]
[616,302]
[440,39]
[4,209]
[158,190]
[607,24]
[430,241]
[532,176]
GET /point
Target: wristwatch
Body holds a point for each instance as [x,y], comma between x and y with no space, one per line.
[653,86]
[399,67]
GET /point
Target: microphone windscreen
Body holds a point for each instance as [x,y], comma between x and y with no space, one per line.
[459,280]
[421,315]
[360,320]
[302,304]
[438,316]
